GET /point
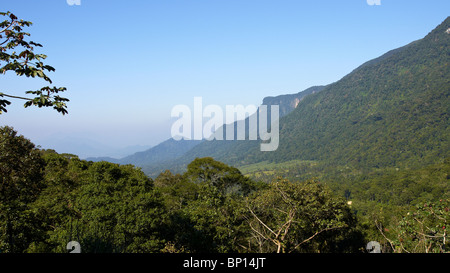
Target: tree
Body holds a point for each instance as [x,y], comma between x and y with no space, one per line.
[227,179]
[423,229]
[105,207]
[300,217]
[212,217]
[62,175]
[176,190]
[28,63]
[20,184]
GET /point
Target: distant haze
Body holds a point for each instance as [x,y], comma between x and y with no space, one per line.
[126,64]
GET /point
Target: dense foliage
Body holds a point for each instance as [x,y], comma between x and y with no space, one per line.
[21,179]
[379,198]
[50,199]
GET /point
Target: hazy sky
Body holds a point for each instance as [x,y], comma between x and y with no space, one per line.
[127,63]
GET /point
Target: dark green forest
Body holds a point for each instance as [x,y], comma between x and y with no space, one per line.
[49,199]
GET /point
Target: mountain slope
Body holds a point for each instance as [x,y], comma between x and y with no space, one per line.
[233,150]
[289,102]
[391,111]
[167,150]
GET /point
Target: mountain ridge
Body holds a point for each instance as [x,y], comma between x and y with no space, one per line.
[390,111]
[170,149]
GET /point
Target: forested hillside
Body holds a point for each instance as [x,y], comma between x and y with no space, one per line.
[390,112]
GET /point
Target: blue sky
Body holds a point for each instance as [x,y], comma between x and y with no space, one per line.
[127,63]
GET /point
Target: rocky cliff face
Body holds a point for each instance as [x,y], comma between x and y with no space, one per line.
[289,102]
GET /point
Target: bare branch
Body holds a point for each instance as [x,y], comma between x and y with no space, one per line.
[312,237]
[381,231]
[14,97]
[259,220]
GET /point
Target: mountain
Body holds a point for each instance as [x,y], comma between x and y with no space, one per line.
[165,151]
[392,111]
[104,158]
[161,156]
[288,103]
[85,146]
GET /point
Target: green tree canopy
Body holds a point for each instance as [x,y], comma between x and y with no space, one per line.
[226,179]
[20,184]
[300,217]
[103,206]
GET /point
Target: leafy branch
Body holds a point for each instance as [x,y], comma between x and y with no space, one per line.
[26,63]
